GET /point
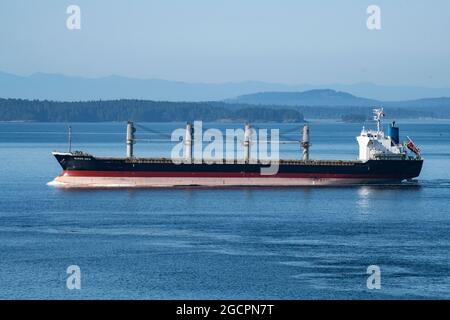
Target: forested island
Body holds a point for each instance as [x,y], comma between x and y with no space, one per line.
[139,110]
[165,111]
[354,118]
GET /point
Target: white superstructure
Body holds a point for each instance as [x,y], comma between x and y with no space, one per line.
[375,145]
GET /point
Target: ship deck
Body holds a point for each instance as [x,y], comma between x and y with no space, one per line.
[231,162]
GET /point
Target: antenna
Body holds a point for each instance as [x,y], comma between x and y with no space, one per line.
[70,139]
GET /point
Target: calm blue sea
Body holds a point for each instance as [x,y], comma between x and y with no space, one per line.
[240,243]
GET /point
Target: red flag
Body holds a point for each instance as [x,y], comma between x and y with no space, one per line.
[412,146]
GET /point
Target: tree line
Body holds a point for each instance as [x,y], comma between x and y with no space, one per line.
[139,110]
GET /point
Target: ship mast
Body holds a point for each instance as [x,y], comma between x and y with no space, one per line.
[188,143]
[305,142]
[130,139]
[247,142]
[378,115]
[70,139]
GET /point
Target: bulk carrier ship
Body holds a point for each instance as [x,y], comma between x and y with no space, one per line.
[382,160]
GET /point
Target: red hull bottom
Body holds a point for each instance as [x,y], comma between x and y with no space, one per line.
[77,181]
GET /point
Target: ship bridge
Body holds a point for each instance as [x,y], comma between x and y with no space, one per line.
[376,145]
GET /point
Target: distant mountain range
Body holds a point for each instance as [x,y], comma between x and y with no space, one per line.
[317,97]
[327,103]
[332,98]
[68,88]
[164,100]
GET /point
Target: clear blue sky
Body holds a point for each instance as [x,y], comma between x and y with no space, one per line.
[287,41]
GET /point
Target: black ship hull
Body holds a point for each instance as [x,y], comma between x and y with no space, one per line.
[82,170]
